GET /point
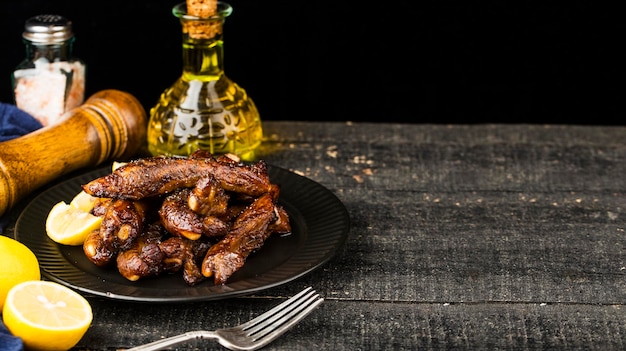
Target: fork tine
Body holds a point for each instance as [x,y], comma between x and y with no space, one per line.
[286,312]
[276,309]
[279,327]
[284,316]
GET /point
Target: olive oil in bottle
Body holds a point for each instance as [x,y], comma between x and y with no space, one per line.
[204,109]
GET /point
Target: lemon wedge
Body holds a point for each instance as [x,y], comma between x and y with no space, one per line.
[69,225]
[83,201]
[117,165]
[46,315]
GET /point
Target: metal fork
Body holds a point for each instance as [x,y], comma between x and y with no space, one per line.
[255,333]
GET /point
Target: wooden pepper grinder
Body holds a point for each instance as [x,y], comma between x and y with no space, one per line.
[110,125]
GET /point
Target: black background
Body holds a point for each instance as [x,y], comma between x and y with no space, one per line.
[404,61]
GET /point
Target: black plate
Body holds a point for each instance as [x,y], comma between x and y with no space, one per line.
[320,225]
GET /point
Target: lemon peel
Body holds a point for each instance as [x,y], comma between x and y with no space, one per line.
[18,264]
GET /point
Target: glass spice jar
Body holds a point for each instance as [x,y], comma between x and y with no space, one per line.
[50,81]
[204,109]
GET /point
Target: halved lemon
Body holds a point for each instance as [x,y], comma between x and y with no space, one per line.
[69,225]
[46,315]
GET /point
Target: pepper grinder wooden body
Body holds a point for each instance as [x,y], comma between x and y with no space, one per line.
[110,125]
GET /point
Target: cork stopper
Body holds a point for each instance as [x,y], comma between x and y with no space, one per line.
[202,8]
[202,19]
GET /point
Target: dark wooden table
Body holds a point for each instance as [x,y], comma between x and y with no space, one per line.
[462,237]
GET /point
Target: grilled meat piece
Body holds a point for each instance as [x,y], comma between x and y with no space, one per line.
[186,254]
[100,206]
[159,175]
[145,257]
[282,224]
[123,223]
[248,233]
[151,255]
[225,158]
[201,154]
[208,197]
[180,220]
[172,248]
[192,272]
[97,250]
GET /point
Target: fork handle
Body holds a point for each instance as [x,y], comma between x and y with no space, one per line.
[175,340]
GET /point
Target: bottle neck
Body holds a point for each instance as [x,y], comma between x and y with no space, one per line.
[51,52]
[203,59]
[203,48]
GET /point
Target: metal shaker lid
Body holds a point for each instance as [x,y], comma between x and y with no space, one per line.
[48,29]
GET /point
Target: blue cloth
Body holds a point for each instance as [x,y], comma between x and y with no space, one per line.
[8,342]
[15,122]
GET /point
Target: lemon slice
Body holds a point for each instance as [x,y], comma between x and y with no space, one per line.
[83,201]
[69,225]
[46,315]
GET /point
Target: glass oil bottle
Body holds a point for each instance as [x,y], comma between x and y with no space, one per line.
[204,109]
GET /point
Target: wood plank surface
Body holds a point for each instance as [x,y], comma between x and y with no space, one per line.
[462,237]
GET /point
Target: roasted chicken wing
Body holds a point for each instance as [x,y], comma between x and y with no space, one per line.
[149,177]
[248,233]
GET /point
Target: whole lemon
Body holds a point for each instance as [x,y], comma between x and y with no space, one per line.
[17,264]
